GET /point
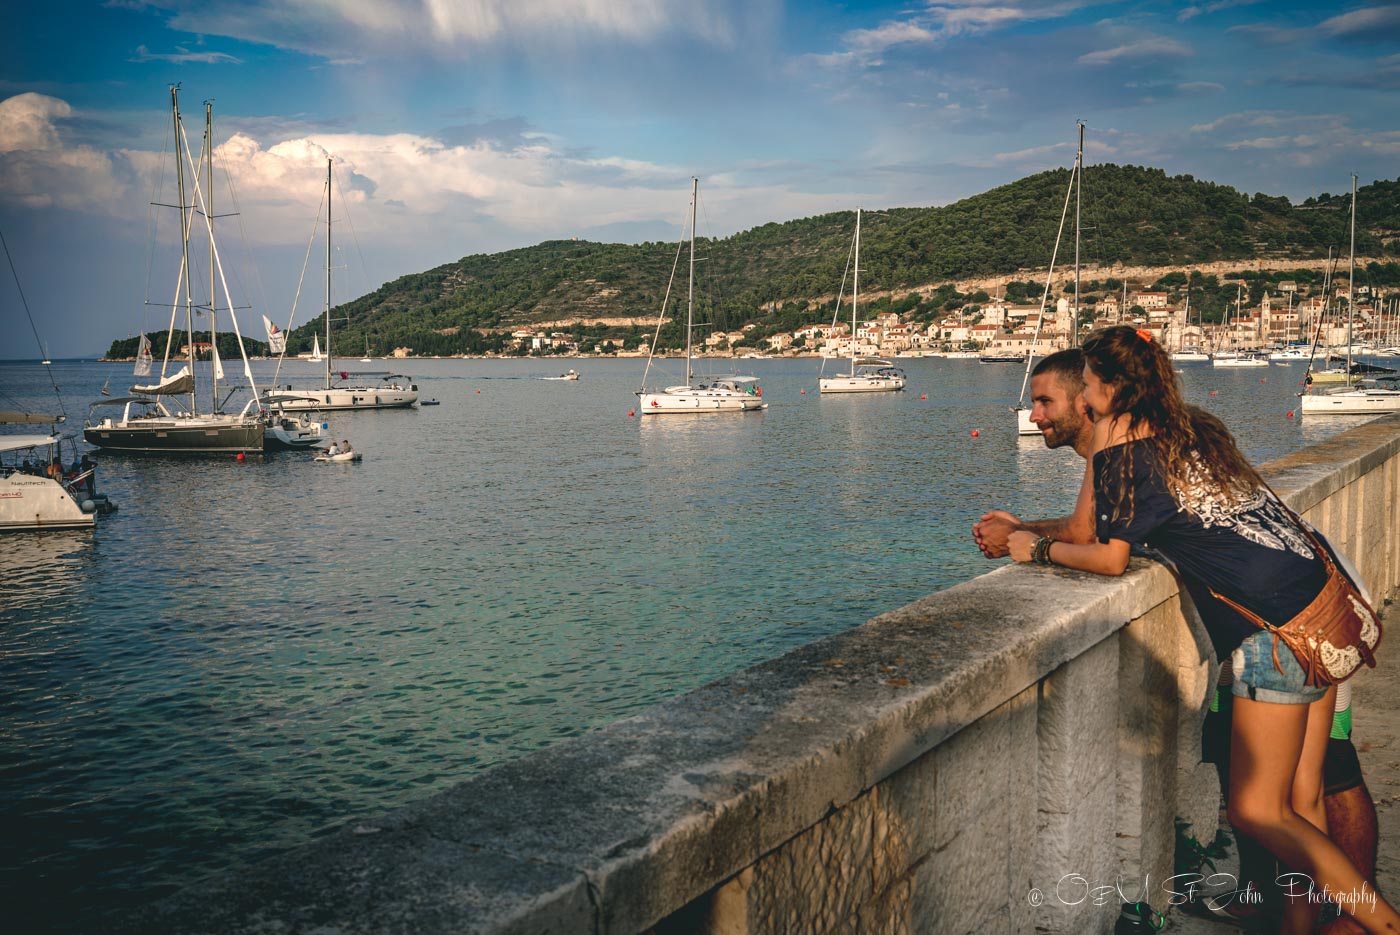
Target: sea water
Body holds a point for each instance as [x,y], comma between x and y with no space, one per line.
[249,654]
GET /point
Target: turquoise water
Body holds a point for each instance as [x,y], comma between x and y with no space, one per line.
[247,655]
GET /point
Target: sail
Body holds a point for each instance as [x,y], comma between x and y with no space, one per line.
[276,339]
[143,358]
[181,381]
[218,364]
[316,348]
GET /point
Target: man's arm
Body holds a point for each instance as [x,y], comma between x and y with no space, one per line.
[993,530]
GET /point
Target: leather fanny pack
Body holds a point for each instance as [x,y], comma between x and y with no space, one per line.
[1334,634]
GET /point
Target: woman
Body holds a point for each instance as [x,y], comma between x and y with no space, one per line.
[1171,476]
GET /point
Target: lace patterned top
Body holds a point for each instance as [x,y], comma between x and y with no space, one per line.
[1249,548]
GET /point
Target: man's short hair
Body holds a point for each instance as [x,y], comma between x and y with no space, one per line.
[1066,365]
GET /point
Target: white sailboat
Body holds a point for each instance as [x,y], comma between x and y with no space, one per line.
[1233,358]
[721,394]
[144,423]
[316,348]
[1024,425]
[867,374]
[1361,400]
[341,389]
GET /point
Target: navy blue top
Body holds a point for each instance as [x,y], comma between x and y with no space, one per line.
[1249,548]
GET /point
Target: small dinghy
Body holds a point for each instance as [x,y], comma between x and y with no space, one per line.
[428,402]
[342,456]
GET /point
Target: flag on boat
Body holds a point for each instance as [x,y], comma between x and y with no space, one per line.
[276,340]
[143,358]
[218,364]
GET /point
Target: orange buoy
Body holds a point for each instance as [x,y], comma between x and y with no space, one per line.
[923,396]
[1290,413]
[804,392]
[240,456]
[478,392]
[975,433]
[1263,379]
[1212,392]
[630,413]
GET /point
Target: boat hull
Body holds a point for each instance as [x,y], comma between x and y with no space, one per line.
[1024,425]
[177,436]
[1352,402]
[352,397]
[30,503]
[698,402]
[860,384]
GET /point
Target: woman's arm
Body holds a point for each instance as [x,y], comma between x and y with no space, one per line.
[1101,558]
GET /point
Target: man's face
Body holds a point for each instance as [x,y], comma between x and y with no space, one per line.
[1058,415]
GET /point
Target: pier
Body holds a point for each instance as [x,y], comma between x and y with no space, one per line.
[930,770]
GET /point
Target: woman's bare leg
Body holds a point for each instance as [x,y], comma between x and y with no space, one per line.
[1269,745]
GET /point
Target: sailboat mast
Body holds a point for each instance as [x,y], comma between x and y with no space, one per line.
[690,288]
[329,356]
[855,295]
[209,206]
[184,238]
[1351,279]
[1078,192]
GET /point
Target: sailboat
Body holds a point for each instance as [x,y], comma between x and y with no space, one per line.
[867,374]
[46,362]
[342,389]
[316,348]
[1234,358]
[1188,353]
[1024,425]
[143,422]
[721,394]
[366,359]
[1353,400]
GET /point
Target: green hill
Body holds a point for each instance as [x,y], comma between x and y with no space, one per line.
[774,275]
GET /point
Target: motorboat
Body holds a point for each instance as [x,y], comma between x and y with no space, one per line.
[697,395]
[1239,360]
[429,402]
[338,456]
[1002,358]
[566,375]
[30,498]
[1190,355]
[291,431]
[1290,354]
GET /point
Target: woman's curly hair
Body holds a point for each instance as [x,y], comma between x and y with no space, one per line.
[1192,447]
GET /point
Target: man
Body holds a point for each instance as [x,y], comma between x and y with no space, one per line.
[1058,410]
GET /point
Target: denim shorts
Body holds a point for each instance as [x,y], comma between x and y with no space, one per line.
[1257,678]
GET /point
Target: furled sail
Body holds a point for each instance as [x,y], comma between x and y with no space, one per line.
[181,381]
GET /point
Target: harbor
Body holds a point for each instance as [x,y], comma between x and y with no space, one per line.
[249,652]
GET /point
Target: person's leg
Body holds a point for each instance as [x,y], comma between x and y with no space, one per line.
[1269,743]
[1351,815]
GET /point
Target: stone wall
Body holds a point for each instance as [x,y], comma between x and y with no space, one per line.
[1003,756]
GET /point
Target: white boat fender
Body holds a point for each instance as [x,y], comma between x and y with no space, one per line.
[87,506]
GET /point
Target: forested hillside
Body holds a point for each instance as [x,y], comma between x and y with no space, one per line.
[773,275]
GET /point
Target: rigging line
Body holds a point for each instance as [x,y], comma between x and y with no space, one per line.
[665,300]
[153,222]
[354,235]
[840,296]
[305,265]
[38,343]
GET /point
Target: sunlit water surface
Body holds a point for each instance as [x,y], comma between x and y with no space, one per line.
[246,655]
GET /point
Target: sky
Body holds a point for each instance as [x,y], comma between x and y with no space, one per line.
[460,127]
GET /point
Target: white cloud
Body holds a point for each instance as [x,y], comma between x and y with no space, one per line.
[1153,48]
[1370,23]
[1191,12]
[182,55]
[37,170]
[349,29]
[27,122]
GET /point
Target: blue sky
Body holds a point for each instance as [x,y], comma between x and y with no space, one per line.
[471,126]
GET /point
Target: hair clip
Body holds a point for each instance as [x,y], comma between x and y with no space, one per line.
[1145,335]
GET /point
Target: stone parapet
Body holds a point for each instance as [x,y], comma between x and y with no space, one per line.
[977,761]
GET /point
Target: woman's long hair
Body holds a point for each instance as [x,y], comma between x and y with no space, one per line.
[1193,447]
